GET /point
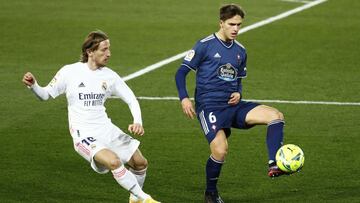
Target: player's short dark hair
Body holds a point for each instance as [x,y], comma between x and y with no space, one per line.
[230,10]
[91,43]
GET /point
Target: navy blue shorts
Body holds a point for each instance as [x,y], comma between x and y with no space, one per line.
[214,119]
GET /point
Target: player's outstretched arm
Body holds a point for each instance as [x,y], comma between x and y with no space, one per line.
[136,129]
[30,81]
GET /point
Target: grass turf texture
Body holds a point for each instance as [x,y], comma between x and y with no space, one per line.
[312,55]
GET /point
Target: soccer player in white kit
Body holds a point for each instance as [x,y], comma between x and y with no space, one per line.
[87,84]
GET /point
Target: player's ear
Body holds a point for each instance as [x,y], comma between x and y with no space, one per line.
[221,23]
[89,52]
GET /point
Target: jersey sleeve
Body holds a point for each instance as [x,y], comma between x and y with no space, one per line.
[195,56]
[120,89]
[57,85]
[180,80]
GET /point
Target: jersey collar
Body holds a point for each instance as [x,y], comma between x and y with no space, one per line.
[224,43]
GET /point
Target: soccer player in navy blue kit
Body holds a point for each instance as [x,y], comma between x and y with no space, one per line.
[219,62]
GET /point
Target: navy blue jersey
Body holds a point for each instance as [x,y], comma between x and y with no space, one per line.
[219,68]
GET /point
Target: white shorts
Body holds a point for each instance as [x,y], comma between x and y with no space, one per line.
[88,142]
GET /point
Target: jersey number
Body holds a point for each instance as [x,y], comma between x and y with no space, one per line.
[88,140]
[212,118]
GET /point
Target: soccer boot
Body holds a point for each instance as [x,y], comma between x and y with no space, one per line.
[275,171]
[134,201]
[212,197]
[150,200]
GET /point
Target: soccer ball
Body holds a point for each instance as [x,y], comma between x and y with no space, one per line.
[290,158]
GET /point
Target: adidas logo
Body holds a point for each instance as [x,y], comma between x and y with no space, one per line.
[217,55]
[81,85]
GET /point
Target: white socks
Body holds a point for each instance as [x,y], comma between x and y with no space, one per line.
[129,181]
[140,177]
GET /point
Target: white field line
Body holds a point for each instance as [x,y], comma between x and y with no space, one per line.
[243,30]
[297,1]
[266,101]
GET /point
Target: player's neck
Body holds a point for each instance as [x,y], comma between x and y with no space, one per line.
[222,37]
[92,65]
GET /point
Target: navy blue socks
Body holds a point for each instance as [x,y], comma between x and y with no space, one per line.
[213,168]
[274,138]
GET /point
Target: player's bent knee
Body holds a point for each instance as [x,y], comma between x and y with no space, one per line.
[219,154]
[114,164]
[140,165]
[145,163]
[277,115]
[281,116]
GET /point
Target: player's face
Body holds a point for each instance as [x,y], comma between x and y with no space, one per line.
[101,56]
[231,27]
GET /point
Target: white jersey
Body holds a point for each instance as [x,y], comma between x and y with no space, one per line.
[86,92]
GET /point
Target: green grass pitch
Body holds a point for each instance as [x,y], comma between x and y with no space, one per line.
[312,56]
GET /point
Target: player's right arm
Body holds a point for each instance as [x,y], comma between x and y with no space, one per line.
[30,81]
[186,103]
[191,61]
[56,87]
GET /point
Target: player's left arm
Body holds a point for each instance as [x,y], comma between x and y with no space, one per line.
[126,94]
[136,129]
[235,97]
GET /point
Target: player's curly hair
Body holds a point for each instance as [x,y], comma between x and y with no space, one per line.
[230,10]
[91,43]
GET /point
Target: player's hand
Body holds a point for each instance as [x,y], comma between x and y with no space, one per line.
[28,79]
[136,129]
[234,98]
[188,108]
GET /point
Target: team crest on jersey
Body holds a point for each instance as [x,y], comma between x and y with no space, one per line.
[239,59]
[227,72]
[104,86]
[190,55]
